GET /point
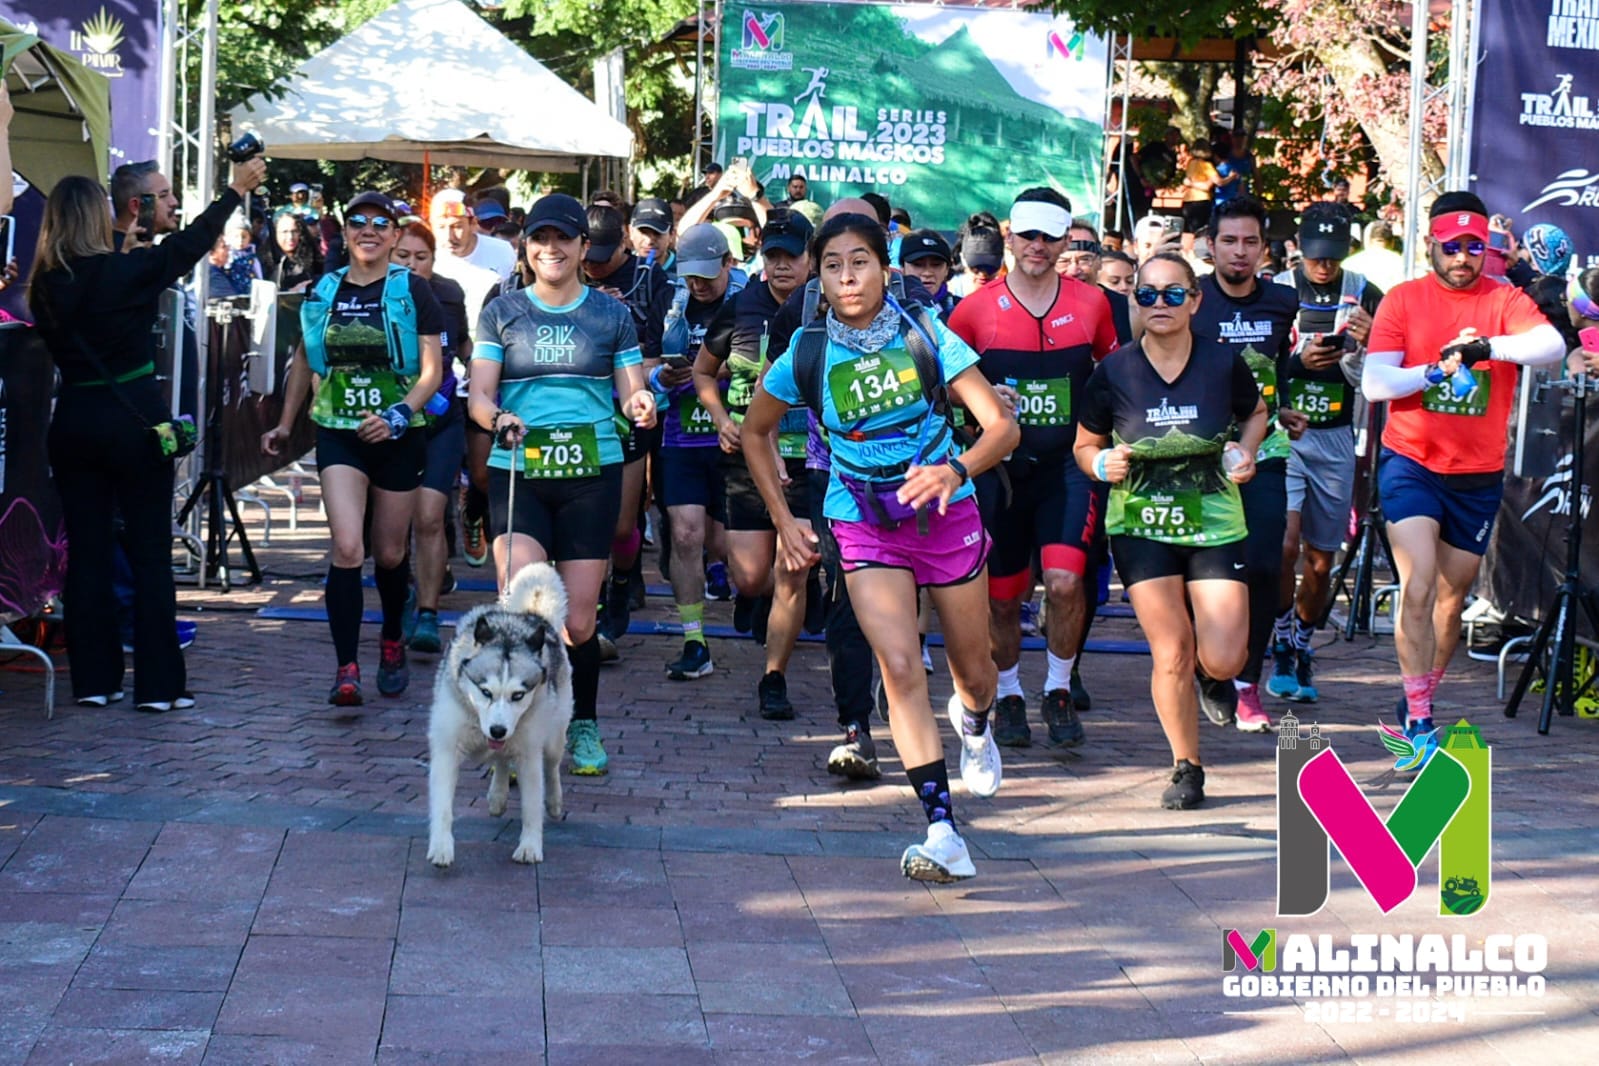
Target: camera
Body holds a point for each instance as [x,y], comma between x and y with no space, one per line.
[245,148]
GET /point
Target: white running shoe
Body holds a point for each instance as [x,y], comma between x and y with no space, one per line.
[927,660]
[943,858]
[980,766]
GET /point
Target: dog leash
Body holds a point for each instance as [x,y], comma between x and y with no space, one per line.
[510,524]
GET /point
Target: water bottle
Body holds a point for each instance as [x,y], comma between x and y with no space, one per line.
[649,260]
[1462,382]
[1232,457]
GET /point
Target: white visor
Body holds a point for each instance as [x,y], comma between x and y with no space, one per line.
[1029,215]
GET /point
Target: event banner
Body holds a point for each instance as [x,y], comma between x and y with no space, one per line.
[1535,120]
[943,110]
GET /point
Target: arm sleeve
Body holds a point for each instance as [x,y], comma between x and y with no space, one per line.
[719,334]
[1095,414]
[1245,393]
[1382,378]
[174,257]
[429,313]
[1538,346]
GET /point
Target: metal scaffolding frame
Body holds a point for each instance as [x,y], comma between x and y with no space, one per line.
[706,80]
[1120,65]
[1455,90]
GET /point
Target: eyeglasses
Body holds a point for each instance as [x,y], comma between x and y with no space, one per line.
[1174,295]
[1472,248]
[377,222]
[1040,235]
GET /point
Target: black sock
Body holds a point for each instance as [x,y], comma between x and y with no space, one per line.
[477,505]
[585,659]
[391,592]
[974,722]
[343,596]
[931,783]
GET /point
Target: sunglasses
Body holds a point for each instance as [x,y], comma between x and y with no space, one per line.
[1174,295]
[1040,235]
[1471,248]
[377,222]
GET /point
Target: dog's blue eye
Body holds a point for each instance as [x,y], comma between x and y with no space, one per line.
[486,693]
[516,697]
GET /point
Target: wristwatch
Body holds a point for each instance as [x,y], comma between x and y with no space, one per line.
[959,468]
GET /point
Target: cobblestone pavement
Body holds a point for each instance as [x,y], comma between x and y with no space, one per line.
[245,882]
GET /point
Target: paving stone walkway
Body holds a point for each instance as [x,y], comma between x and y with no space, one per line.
[245,882]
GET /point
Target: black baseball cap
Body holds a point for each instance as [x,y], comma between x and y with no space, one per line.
[371,198]
[983,249]
[1324,231]
[786,231]
[605,233]
[653,214]
[713,167]
[558,210]
[731,209]
[924,244]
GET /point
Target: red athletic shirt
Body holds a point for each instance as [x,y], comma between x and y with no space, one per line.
[1419,317]
[1048,357]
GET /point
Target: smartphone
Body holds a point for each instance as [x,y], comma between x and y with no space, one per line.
[1499,240]
[146,217]
[678,362]
[1172,223]
[8,234]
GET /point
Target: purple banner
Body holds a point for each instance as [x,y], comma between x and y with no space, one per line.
[1535,119]
[118,38]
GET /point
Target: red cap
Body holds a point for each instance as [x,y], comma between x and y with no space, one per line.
[1454,224]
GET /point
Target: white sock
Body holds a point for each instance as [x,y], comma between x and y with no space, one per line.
[1010,681]
[1060,672]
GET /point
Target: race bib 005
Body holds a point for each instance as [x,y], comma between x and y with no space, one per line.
[1044,403]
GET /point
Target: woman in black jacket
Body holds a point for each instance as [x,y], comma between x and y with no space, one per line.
[96,309]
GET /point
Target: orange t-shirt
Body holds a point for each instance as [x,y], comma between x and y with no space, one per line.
[1419,317]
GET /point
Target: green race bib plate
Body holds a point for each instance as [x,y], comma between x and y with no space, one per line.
[1320,401]
[561,452]
[873,384]
[1047,402]
[694,418]
[1163,516]
[1440,398]
[348,391]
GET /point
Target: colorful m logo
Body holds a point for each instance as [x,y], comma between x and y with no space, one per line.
[1259,954]
[1447,804]
[763,31]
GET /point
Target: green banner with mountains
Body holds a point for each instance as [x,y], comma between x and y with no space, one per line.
[945,111]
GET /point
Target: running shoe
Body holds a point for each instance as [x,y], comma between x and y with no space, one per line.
[1252,717]
[393,674]
[104,700]
[474,541]
[772,692]
[1305,676]
[1065,728]
[186,631]
[1219,701]
[1284,682]
[346,690]
[182,703]
[695,662]
[608,649]
[743,613]
[584,747]
[1009,722]
[717,586]
[1424,736]
[1080,697]
[425,633]
[880,698]
[856,757]
[942,858]
[1187,788]
[927,660]
[447,584]
[980,765]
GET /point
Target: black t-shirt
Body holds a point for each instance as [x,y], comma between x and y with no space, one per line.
[357,333]
[1325,396]
[452,308]
[1120,314]
[1260,328]
[736,336]
[647,292]
[1177,490]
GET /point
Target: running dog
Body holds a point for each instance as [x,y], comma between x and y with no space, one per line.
[504,693]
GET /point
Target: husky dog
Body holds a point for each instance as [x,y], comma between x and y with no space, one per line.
[504,692]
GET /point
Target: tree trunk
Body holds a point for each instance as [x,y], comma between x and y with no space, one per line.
[1354,66]
[1193,89]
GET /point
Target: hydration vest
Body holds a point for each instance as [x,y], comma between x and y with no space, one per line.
[399,321]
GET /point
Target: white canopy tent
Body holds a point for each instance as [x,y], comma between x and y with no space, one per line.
[430,81]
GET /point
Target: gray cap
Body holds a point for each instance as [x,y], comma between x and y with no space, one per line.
[701,251]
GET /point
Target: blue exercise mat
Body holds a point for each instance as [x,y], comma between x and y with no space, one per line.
[645,629]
